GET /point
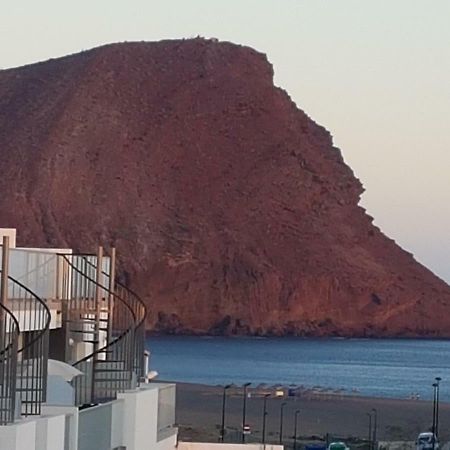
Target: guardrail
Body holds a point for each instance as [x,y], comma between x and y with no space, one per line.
[105,323]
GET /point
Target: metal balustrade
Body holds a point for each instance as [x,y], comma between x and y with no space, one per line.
[9,338]
[24,327]
[104,321]
[24,332]
[103,324]
[33,318]
[130,298]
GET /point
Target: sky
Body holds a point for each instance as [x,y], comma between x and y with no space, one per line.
[375,73]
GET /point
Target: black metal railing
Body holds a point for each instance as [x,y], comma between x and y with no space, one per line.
[33,318]
[9,338]
[101,328]
[140,312]
[135,303]
[24,327]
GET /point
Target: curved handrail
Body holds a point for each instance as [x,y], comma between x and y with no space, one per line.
[140,316]
[139,301]
[44,306]
[15,329]
[32,318]
[102,349]
[9,337]
[136,296]
[108,369]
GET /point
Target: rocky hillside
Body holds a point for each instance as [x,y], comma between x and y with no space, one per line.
[232,210]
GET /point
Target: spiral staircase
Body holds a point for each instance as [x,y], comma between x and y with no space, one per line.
[24,332]
[9,338]
[106,320]
[102,324]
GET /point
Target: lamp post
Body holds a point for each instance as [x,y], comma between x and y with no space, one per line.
[438,379]
[370,431]
[264,419]
[244,406]
[297,412]
[433,426]
[222,429]
[281,421]
[375,423]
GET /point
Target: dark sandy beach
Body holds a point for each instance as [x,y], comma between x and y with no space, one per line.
[199,416]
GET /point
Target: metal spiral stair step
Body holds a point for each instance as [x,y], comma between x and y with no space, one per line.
[104,361]
[108,370]
[88,331]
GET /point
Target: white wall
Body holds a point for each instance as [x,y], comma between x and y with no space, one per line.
[130,421]
[50,433]
[141,419]
[19,436]
[71,418]
[218,446]
[95,427]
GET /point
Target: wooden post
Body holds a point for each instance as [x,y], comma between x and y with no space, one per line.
[5,268]
[112,287]
[4,288]
[98,296]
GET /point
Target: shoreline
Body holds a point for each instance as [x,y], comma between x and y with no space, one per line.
[331,368]
[305,394]
[187,333]
[199,415]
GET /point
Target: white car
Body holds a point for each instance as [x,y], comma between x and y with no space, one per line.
[338,446]
[425,441]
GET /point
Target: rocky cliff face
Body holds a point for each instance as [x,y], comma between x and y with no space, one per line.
[231,209]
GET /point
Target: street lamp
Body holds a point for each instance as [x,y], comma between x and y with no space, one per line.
[370,431]
[244,406]
[295,428]
[375,420]
[433,427]
[438,379]
[264,419]
[281,421]
[222,429]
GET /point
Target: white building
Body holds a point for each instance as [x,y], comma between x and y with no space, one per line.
[73,368]
[73,374]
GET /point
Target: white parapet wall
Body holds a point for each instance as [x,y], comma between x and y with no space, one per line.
[141,419]
[70,432]
[50,432]
[226,446]
[148,418]
[20,436]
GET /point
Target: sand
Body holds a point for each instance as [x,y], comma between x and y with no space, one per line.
[199,410]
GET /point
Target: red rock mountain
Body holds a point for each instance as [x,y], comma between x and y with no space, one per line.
[231,209]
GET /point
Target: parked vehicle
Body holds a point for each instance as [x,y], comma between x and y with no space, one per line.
[427,441]
[338,446]
[315,446]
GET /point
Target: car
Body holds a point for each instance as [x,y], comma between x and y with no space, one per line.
[427,441]
[338,446]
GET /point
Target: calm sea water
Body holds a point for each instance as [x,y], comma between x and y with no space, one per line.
[381,368]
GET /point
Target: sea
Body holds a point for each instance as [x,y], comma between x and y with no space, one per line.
[393,368]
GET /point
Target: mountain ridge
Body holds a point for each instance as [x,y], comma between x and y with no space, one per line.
[232,209]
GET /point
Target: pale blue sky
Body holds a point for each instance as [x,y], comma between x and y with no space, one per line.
[375,73]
